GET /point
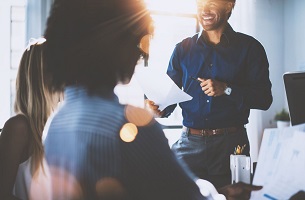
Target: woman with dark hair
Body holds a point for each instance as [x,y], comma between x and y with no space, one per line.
[23,170]
[97,148]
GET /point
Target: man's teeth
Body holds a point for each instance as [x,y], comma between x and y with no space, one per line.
[207,18]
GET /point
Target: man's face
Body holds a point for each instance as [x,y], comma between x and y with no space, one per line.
[213,13]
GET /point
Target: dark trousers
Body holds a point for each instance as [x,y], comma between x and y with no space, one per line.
[208,157]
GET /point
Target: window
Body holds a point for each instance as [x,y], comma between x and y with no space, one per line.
[174,20]
[17,46]
[12,24]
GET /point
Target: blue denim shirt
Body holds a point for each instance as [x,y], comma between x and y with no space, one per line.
[239,60]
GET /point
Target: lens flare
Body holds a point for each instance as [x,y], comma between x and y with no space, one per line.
[65,185]
[138,116]
[41,184]
[144,43]
[110,188]
[129,132]
[173,6]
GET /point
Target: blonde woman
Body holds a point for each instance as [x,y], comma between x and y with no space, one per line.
[23,170]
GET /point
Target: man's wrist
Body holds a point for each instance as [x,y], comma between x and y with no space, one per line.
[228,89]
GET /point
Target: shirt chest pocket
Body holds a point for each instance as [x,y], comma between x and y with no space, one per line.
[192,107]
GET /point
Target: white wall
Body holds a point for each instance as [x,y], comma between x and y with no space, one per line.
[294,33]
[263,19]
[279,26]
[5,47]
[12,23]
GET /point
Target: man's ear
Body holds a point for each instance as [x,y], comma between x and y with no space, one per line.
[230,6]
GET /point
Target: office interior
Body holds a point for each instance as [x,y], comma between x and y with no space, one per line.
[277,24]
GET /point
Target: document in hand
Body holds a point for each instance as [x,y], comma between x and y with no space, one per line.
[281,163]
[160,88]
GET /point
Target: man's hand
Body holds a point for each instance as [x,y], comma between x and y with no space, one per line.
[212,87]
[238,191]
[153,108]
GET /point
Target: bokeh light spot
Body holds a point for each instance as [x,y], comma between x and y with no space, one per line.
[41,184]
[110,188]
[65,185]
[129,132]
[138,116]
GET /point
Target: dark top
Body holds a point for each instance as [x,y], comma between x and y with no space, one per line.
[239,60]
[15,142]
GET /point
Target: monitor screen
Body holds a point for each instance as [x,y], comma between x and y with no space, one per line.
[295,93]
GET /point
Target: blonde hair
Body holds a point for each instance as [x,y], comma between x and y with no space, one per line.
[34,99]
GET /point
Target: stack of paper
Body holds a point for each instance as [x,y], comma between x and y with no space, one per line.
[281,163]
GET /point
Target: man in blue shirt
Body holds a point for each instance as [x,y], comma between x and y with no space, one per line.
[227,74]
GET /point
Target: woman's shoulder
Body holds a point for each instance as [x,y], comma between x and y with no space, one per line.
[17,126]
[17,122]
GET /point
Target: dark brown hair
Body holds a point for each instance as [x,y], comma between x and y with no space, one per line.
[93,43]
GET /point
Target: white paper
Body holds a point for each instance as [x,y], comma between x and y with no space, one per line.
[281,163]
[160,88]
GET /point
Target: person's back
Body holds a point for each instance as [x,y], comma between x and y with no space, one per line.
[90,147]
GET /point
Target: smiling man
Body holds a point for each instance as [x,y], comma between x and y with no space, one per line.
[233,73]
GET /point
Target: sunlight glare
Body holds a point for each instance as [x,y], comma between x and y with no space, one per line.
[174,6]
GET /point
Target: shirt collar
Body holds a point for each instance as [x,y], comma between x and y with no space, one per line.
[226,37]
[75,92]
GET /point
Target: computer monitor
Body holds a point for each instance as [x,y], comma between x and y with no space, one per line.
[295,93]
